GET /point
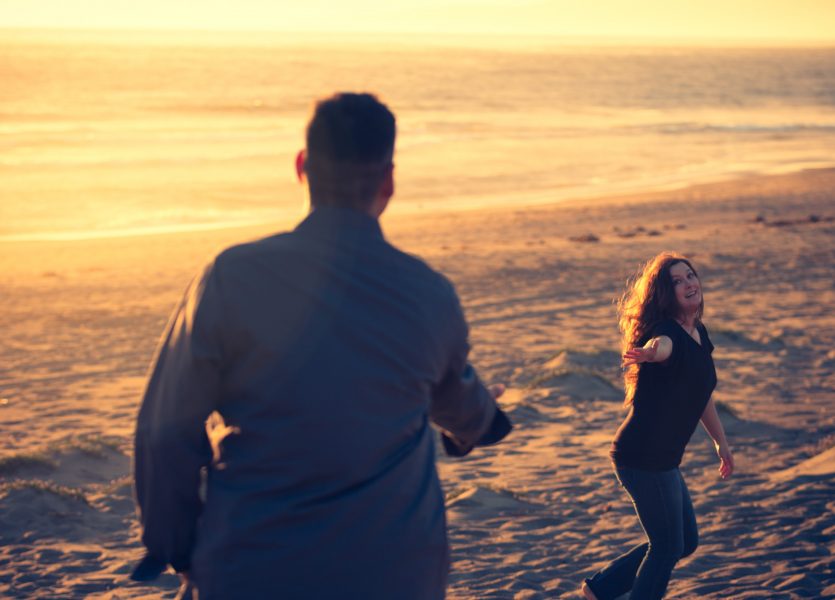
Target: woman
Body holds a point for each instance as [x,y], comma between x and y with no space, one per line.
[669,377]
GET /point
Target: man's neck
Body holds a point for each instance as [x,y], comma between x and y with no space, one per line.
[373,210]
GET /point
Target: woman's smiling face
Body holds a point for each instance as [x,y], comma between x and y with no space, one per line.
[687,287]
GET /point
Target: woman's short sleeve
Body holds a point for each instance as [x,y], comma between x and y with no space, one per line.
[706,339]
[673,331]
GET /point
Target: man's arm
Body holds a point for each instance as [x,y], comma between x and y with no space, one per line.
[464,409]
[171,445]
[500,426]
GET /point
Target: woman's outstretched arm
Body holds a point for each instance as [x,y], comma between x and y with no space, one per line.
[657,349]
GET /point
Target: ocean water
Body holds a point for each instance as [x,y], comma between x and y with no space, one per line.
[108,135]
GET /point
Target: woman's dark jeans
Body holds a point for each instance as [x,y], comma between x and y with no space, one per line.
[666,514]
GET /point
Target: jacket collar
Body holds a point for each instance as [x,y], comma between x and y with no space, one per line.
[333,222]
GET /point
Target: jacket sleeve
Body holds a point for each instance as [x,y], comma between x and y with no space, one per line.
[461,405]
[171,444]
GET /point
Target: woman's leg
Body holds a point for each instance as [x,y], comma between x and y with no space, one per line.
[666,513]
[690,528]
[616,578]
[657,497]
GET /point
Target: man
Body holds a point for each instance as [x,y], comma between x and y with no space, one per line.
[326,352]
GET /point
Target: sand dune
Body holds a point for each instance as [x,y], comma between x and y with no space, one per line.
[820,465]
[531,517]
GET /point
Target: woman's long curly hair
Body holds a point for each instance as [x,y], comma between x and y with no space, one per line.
[649,298]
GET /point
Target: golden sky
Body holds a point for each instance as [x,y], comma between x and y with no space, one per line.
[790,20]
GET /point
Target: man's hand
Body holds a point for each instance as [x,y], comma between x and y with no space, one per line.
[186,591]
[496,390]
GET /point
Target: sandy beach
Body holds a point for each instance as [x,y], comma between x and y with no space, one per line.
[533,516]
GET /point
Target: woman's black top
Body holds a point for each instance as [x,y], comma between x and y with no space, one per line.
[670,398]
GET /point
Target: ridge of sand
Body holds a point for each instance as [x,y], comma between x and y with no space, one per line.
[820,465]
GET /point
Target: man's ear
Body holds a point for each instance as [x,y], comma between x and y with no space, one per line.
[387,185]
[301,158]
[384,193]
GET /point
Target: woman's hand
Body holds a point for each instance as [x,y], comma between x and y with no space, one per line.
[641,355]
[726,460]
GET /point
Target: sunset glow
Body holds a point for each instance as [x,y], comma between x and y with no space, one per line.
[544,150]
[801,20]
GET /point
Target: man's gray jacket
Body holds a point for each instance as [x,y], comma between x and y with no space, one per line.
[327,352]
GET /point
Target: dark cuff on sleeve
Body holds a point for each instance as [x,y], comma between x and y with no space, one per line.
[181,565]
[498,430]
[151,567]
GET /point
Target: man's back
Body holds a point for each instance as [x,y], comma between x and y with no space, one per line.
[326,352]
[332,344]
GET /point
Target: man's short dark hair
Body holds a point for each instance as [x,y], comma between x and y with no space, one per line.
[350,145]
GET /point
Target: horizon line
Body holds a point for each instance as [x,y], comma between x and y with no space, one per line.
[514,39]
